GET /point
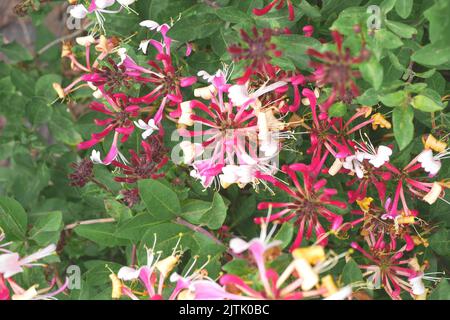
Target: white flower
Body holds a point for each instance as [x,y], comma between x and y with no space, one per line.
[85,41]
[147,127]
[126,3]
[238,94]
[342,294]
[431,164]
[11,264]
[434,193]
[122,52]
[186,112]
[354,164]
[190,151]
[418,288]
[78,11]
[380,157]
[143,46]
[96,157]
[205,93]
[152,25]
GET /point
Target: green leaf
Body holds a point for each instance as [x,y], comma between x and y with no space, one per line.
[338,109]
[237,267]
[433,54]
[351,272]
[63,129]
[161,202]
[401,29]
[285,234]
[404,8]
[440,242]
[117,210]
[44,86]
[15,52]
[47,227]
[13,219]
[135,228]
[215,216]
[101,233]
[232,14]
[395,99]
[442,291]
[386,39]
[402,119]
[372,72]
[195,27]
[423,103]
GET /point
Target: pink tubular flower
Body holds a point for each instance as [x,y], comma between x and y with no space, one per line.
[278,4]
[120,122]
[239,141]
[11,263]
[336,69]
[332,135]
[375,227]
[151,276]
[107,77]
[299,280]
[146,164]
[308,201]
[420,187]
[388,268]
[162,74]
[257,51]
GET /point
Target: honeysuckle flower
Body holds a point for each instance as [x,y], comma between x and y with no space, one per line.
[148,127]
[120,122]
[11,263]
[33,294]
[332,136]
[378,228]
[337,69]
[83,173]
[145,165]
[277,4]
[99,7]
[409,179]
[432,163]
[152,276]
[308,201]
[296,281]
[106,77]
[257,51]
[239,94]
[388,269]
[162,75]
[232,129]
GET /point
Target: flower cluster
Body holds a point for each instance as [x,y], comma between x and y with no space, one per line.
[237,128]
[12,264]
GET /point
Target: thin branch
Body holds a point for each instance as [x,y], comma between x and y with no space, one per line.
[86,222]
[204,232]
[64,38]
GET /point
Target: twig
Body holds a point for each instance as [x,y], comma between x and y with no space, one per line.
[64,38]
[86,222]
[204,232]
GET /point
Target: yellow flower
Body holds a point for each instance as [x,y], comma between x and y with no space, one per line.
[328,283]
[432,143]
[364,204]
[379,120]
[312,255]
[116,286]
